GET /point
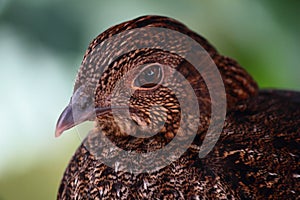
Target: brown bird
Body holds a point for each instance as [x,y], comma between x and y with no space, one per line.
[134,78]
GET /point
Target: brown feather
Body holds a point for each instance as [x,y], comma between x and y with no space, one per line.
[256,156]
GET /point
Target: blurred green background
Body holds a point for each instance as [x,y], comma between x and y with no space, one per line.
[42,44]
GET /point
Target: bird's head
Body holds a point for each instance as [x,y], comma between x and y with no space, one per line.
[128,68]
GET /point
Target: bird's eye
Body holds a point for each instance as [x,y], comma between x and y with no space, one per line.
[149,77]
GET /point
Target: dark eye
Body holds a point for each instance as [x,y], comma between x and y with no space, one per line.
[149,77]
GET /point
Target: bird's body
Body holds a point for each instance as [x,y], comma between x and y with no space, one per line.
[256,156]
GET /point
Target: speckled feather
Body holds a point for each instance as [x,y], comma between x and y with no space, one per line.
[256,156]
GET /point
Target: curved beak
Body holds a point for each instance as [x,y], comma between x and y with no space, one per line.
[74,113]
[65,121]
[72,116]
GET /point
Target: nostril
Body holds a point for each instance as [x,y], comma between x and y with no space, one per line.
[85,102]
[84,105]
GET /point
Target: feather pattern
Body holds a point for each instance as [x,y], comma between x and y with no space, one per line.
[256,156]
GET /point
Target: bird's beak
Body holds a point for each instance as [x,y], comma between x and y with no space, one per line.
[75,114]
[65,121]
[72,116]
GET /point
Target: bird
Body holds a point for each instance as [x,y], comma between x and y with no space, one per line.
[255,156]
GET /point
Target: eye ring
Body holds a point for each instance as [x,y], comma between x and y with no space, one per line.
[150,77]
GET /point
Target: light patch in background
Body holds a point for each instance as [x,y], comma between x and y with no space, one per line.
[33,92]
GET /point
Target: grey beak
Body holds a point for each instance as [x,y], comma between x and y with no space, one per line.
[65,121]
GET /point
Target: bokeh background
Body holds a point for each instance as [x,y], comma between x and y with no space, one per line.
[41,46]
